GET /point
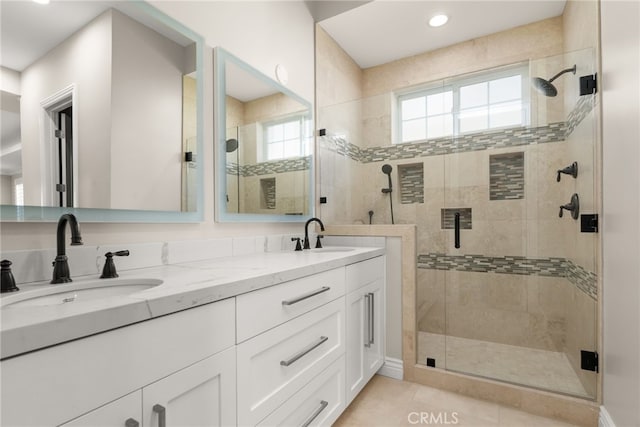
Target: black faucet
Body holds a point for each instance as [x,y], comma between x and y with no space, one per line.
[109,269]
[60,266]
[306,231]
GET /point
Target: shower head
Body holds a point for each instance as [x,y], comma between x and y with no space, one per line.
[547,88]
[386,169]
[232,145]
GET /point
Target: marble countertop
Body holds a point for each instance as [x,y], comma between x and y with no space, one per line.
[183,286]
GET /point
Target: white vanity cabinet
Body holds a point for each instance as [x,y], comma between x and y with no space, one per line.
[365,323]
[309,338]
[184,362]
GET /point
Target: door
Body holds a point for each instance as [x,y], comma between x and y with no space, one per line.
[203,394]
[365,335]
[64,137]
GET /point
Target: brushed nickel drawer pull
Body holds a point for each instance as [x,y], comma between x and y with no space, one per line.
[372,318]
[367,303]
[323,404]
[305,296]
[303,352]
[162,415]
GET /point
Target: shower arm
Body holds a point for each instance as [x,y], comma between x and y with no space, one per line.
[572,69]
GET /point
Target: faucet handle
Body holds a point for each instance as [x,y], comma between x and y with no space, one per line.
[298,244]
[109,270]
[318,243]
[8,281]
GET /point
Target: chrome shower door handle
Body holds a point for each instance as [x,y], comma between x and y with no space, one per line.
[162,415]
[308,421]
[456,222]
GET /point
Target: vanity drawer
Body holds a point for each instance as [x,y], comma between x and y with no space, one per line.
[365,272]
[319,403]
[263,309]
[279,362]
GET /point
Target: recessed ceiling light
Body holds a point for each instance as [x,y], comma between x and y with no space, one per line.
[41,1]
[438,20]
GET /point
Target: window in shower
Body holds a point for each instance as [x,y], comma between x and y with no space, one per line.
[490,100]
[286,138]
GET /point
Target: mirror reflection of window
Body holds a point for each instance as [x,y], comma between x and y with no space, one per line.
[286,138]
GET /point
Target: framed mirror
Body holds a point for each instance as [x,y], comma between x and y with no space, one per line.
[264,146]
[101,113]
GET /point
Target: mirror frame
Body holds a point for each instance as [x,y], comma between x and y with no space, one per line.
[221,57]
[12,213]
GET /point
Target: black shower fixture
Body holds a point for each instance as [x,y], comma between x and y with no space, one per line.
[232,145]
[545,87]
[572,170]
[386,169]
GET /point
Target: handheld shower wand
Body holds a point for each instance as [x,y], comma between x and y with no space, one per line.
[386,169]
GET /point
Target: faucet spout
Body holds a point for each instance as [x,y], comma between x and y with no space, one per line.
[61,272]
[306,231]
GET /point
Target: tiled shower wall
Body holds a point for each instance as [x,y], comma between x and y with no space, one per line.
[523,276]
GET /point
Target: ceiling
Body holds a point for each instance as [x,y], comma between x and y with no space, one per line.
[382,31]
[29,30]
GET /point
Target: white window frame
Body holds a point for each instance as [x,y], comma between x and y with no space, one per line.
[454,84]
[303,137]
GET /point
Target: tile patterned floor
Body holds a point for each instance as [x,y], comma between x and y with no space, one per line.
[547,370]
[386,402]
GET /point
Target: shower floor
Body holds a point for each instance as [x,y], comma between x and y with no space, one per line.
[543,369]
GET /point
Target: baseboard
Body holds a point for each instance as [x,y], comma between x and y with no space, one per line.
[392,368]
[605,419]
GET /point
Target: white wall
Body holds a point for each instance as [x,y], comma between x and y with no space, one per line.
[620,29]
[9,80]
[146,118]
[261,33]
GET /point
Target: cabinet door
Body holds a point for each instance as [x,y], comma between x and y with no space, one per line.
[365,335]
[374,328]
[124,412]
[203,394]
[356,336]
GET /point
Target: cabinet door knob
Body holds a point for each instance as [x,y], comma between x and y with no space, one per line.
[131,423]
[162,415]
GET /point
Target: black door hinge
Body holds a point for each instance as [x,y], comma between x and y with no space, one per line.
[589,223]
[589,360]
[588,84]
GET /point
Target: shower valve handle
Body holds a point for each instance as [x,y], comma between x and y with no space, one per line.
[572,170]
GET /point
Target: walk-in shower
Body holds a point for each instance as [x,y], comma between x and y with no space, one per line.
[505,287]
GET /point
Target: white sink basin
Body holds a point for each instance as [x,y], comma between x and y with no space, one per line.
[330,250]
[77,293]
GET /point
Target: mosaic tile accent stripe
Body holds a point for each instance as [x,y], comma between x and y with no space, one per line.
[582,108]
[506,176]
[585,280]
[553,132]
[268,188]
[277,166]
[551,267]
[447,218]
[411,183]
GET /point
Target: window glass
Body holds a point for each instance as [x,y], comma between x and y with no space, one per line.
[469,104]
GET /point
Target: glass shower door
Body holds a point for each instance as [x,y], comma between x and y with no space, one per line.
[519,280]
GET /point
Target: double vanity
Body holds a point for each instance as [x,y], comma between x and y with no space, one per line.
[273,338]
